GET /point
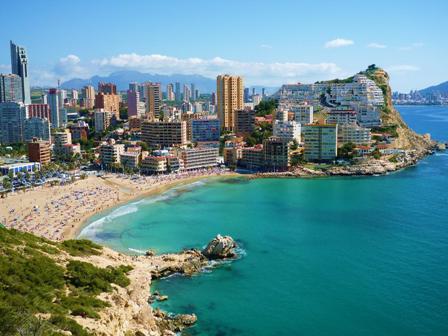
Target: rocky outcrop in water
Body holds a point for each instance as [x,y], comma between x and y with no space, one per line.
[221,247]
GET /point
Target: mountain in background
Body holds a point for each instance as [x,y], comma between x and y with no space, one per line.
[441,88]
[123,78]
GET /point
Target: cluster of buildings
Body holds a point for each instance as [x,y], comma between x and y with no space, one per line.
[179,129]
[415,97]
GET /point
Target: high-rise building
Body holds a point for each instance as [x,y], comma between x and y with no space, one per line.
[246,95]
[62,97]
[10,88]
[164,133]
[177,93]
[244,121]
[19,66]
[107,88]
[205,129]
[12,122]
[320,142]
[303,114]
[39,151]
[102,120]
[108,102]
[153,98]
[229,99]
[88,96]
[170,92]
[288,130]
[53,102]
[187,93]
[60,140]
[276,154]
[133,87]
[36,128]
[39,111]
[192,91]
[133,101]
[75,94]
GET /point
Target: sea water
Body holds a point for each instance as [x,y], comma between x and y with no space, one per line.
[329,256]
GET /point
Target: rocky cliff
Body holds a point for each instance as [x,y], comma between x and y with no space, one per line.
[80,288]
[407,138]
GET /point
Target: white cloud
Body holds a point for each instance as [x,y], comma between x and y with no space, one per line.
[269,74]
[402,68]
[339,42]
[255,72]
[376,45]
[265,46]
[412,46]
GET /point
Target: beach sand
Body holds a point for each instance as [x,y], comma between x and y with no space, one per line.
[59,212]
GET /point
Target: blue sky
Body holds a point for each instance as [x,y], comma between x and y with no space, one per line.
[268,42]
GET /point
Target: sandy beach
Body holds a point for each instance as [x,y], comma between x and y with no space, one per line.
[58,212]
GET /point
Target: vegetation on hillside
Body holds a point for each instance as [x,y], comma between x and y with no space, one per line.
[266,107]
[39,294]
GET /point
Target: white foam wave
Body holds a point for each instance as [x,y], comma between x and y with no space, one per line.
[136,250]
[441,154]
[93,228]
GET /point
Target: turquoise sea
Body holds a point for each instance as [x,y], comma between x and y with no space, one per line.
[331,256]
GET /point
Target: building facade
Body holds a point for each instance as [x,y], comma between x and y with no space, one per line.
[153,98]
[19,66]
[39,151]
[10,88]
[199,157]
[12,122]
[205,129]
[37,128]
[164,133]
[320,142]
[230,98]
[287,130]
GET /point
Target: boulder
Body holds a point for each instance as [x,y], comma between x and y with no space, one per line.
[220,247]
[150,253]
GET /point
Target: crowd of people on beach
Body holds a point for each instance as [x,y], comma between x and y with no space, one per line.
[62,208]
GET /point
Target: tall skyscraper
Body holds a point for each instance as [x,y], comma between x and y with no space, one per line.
[246,95]
[53,102]
[229,93]
[192,91]
[153,97]
[177,92]
[10,88]
[133,101]
[187,93]
[170,92]
[19,66]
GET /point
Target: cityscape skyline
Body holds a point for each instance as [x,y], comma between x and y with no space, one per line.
[292,48]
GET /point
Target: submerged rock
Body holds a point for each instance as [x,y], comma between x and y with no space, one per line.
[221,247]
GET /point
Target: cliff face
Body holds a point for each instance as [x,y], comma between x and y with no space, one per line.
[407,138]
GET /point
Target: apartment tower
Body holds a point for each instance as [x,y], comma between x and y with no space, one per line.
[229,92]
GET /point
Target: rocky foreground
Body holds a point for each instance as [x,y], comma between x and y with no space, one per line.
[130,312]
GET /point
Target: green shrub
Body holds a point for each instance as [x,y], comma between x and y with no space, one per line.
[81,247]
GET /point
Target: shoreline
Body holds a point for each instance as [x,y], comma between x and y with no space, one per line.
[72,233]
[61,212]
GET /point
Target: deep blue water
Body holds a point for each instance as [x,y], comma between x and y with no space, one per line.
[332,256]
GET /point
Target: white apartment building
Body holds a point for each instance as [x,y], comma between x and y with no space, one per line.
[287,130]
[354,134]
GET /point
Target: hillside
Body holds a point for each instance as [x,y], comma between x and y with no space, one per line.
[407,138]
[80,288]
[441,88]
